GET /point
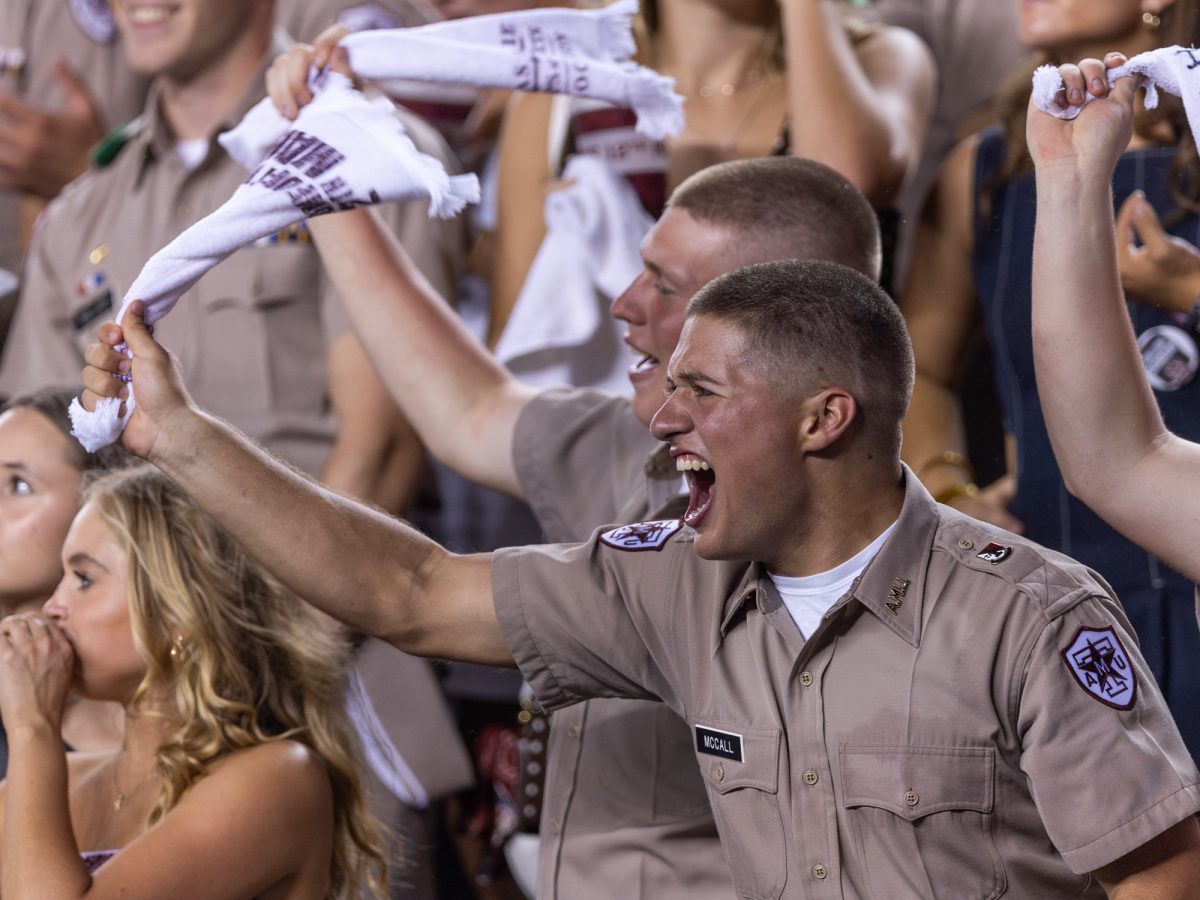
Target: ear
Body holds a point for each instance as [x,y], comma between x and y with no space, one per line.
[827,416]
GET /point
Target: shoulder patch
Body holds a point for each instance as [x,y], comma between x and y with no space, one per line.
[1100,665]
[641,535]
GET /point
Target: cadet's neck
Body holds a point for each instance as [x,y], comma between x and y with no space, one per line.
[845,511]
[196,106]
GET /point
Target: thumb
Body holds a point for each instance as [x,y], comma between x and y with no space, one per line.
[138,335]
[79,100]
[1003,490]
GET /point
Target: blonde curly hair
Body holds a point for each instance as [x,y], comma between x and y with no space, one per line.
[246,662]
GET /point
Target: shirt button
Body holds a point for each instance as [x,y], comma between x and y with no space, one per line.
[573,731]
[911,798]
[966,544]
[810,777]
[820,872]
[718,772]
[806,678]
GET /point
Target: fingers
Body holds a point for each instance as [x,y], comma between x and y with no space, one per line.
[326,42]
[1146,225]
[287,80]
[138,335]
[1090,76]
[79,101]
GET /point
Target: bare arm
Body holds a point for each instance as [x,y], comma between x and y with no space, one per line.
[377,456]
[861,110]
[1164,868]
[356,563]
[1108,435]
[462,403]
[941,310]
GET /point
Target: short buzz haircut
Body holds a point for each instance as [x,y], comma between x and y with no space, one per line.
[786,208]
[817,325]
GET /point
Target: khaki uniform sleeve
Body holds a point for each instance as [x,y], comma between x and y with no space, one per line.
[40,349]
[579,455]
[588,621]
[1105,779]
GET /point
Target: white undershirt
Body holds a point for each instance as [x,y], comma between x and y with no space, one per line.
[192,152]
[809,597]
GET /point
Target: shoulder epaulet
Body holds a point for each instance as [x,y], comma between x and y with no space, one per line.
[110,146]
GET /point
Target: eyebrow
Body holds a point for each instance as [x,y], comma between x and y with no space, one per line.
[15,466]
[698,377]
[77,558]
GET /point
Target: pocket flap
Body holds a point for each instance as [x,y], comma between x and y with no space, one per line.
[732,756]
[916,781]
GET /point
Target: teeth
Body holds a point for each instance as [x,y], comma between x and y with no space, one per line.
[691,465]
[143,15]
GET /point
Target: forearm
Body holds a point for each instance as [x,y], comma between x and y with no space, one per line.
[836,115]
[1089,369]
[41,859]
[461,402]
[349,560]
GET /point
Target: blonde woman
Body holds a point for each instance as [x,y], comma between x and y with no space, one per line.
[235,778]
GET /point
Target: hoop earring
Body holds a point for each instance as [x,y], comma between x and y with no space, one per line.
[1150,20]
[177,647]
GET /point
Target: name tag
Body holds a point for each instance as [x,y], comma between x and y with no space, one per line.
[714,742]
[86,315]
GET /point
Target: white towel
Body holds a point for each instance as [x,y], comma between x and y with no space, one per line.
[591,253]
[1172,69]
[563,51]
[343,151]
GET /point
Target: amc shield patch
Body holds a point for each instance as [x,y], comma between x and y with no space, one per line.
[641,535]
[1101,666]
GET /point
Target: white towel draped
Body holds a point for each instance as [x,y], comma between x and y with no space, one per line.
[591,253]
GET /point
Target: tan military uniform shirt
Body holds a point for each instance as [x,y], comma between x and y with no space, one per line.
[252,335]
[625,813]
[972,720]
[40,33]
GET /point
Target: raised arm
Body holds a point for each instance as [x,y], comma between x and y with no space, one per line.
[1108,435]
[860,109]
[356,563]
[463,404]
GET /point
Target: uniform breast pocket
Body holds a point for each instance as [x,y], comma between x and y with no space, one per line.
[262,335]
[921,819]
[741,768]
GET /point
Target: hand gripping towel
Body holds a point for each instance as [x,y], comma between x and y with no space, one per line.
[1172,69]
[591,253]
[564,51]
[343,151]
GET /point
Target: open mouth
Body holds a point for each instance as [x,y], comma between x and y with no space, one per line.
[646,366]
[702,487]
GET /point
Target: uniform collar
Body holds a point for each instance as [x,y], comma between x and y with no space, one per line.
[154,139]
[892,587]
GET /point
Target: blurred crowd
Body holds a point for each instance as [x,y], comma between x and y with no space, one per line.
[490,379]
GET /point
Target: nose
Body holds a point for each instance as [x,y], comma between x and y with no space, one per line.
[628,307]
[671,420]
[54,608]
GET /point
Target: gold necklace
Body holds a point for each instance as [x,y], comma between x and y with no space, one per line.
[120,796]
[729,88]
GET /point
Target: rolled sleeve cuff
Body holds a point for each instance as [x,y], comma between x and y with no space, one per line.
[1126,838]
